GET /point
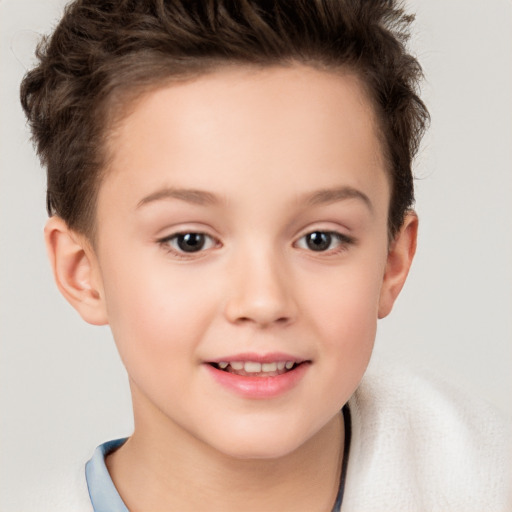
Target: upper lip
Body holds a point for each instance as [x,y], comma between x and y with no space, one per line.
[259,358]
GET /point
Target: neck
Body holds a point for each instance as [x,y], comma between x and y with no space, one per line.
[161,469]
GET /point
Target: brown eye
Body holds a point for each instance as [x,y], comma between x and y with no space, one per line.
[319,241]
[189,242]
[322,241]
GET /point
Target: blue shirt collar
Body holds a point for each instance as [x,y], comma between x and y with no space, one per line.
[103,494]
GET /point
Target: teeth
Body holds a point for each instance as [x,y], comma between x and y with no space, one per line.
[256,367]
[252,367]
[269,367]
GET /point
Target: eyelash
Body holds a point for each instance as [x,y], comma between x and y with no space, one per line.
[342,241]
[167,244]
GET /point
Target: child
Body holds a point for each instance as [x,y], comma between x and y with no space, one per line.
[230,189]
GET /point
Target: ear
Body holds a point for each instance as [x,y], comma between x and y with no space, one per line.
[400,255]
[75,270]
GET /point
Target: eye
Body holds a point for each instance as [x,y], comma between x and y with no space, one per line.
[321,241]
[189,242]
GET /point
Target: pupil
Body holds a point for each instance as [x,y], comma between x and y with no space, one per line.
[318,241]
[191,242]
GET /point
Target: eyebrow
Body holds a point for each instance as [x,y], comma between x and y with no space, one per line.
[194,196]
[331,195]
[201,197]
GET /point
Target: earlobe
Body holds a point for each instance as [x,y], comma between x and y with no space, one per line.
[400,256]
[75,270]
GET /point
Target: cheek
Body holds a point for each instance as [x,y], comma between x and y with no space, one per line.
[344,314]
[349,327]
[153,317]
[348,299]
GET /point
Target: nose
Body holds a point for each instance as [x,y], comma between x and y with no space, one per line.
[261,291]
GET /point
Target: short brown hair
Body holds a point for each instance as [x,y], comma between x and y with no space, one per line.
[103,51]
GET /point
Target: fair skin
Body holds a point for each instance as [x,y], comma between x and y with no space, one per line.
[278,179]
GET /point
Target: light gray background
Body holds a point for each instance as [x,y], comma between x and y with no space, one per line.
[63,389]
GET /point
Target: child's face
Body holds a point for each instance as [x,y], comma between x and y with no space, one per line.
[277,177]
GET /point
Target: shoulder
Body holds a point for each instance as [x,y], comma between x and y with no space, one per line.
[419,444]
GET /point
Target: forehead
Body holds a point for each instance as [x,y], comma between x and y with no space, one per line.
[293,125]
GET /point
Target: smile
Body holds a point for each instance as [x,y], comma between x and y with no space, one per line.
[259,377]
[255,368]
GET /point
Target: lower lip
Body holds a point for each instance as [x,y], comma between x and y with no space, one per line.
[259,387]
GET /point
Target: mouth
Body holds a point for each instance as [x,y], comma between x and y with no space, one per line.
[259,377]
[256,368]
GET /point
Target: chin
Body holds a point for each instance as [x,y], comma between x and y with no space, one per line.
[254,451]
[254,443]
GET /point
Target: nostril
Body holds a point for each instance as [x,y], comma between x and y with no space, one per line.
[262,321]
